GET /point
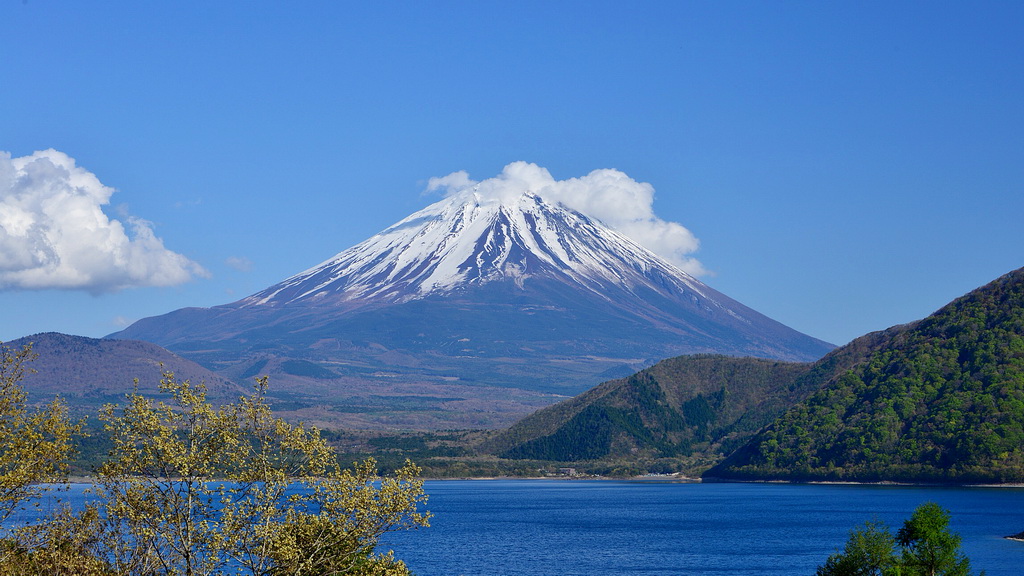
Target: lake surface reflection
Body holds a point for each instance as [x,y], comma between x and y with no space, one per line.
[595,528]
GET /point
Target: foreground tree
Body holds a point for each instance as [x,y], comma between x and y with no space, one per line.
[869,551]
[63,545]
[35,444]
[927,548]
[195,490]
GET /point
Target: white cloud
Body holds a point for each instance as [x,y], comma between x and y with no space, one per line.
[54,233]
[239,263]
[607,195]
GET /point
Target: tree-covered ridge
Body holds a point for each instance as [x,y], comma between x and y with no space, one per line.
[938,400]
[702,404]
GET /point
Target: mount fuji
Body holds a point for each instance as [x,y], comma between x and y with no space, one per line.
[471,312]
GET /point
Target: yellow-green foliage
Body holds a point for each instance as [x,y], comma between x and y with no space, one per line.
[192,489]
[34,444]
[62,546]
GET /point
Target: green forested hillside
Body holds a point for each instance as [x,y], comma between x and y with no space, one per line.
[704,405]
[938,400]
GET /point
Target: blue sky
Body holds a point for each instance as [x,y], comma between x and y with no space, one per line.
[845,167]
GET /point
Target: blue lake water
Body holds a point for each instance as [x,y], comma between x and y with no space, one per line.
[608,528]
[603,528]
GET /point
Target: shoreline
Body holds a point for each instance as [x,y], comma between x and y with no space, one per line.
[867,483]
[679,479]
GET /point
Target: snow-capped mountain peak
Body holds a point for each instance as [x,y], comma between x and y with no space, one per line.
[472,239]
[504,290]
[500,298]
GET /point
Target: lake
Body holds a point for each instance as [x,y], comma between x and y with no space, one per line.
[606,528]
[613,528]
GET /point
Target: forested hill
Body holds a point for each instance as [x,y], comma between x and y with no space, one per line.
[704,404]
[941,400]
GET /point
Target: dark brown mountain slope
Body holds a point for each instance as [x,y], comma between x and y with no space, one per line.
[89,372]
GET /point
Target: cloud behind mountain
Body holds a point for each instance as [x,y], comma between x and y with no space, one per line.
[608,195]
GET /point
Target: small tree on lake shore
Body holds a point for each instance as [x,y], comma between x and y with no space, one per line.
[869,551]
[927,548]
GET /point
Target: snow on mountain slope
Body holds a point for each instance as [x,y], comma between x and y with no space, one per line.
[467,240]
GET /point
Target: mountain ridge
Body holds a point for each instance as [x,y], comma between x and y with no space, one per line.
[88,372]
[939,399]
